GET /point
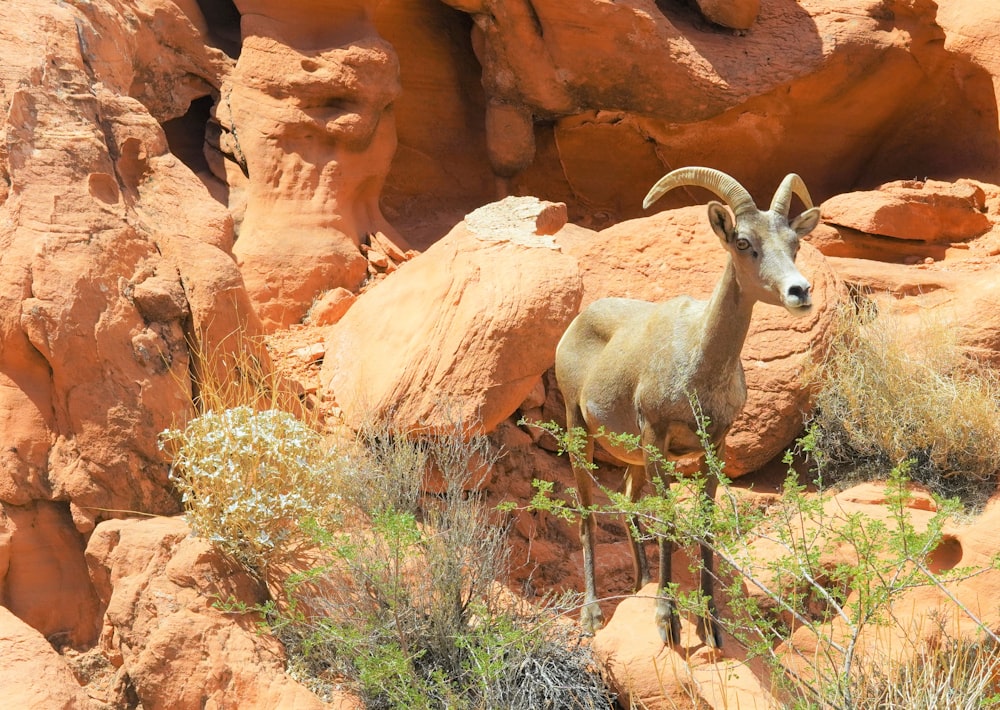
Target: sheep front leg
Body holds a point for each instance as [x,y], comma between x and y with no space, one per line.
[708,627]
[591,616]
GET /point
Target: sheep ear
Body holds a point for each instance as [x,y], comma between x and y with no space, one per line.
[805,222]
[721,221]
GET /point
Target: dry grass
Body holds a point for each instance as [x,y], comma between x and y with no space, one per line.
[887,393]
[237,372]
[947,674]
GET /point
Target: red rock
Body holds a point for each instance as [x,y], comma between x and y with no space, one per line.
[930,211]
[535,397]
[314,127]
[43,574]
[922,295]
[160,587]
[33,674]
[127,126]
[331,306]
[924,613]
[310,353]
[646,673]
[115,254]
[622,92]
[378,259]
[510,138]
[462,331]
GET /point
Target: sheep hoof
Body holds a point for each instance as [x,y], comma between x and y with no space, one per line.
[668,623]
[709,630]
[591,618]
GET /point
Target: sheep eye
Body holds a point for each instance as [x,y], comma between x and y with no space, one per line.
[742,244]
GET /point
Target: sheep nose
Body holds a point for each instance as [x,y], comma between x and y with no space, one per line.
[799,293]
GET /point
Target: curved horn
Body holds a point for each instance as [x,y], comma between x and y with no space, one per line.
[726,187]
[791,185]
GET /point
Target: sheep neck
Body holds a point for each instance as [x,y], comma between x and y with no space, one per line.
[726,324]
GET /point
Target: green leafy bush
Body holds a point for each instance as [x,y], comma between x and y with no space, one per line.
[829,584]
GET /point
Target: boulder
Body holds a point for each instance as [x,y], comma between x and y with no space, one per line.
[674,253]
[734,14]
[925,211]
[162,630]
[33,674]
[836,241]
[645,673]
[464,330]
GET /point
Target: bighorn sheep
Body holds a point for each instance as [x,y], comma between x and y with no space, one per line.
[629,366]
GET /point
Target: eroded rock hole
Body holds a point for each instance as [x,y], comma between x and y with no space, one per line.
[186,135]
[947,555]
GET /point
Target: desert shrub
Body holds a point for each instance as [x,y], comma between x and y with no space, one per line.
[886,394]
[249,464]
[248,479]
[832,584]
[378,586]
[406,608]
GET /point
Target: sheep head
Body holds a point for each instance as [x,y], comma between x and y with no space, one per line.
[762,244]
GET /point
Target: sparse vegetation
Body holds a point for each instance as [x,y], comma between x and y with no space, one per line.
[410,599]
[888,394]
[379,586]
[391,591]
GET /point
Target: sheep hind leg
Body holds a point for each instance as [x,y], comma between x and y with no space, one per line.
[667,620]
[635,478]
[591,616]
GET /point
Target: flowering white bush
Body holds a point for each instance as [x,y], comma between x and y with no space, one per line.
[249,479]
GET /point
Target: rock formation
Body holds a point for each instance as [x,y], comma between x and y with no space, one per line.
[163,632]
[309,118]
[657,88]
[115,262]
[179,177]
